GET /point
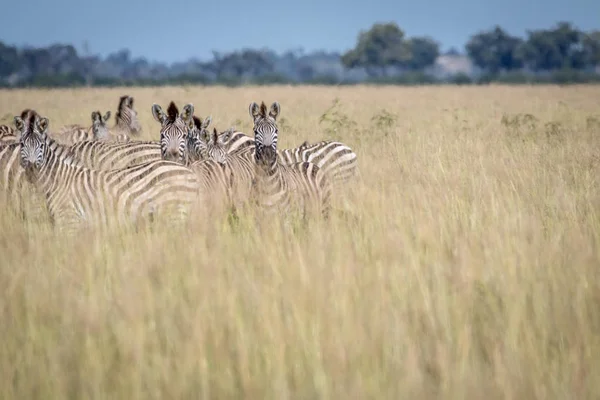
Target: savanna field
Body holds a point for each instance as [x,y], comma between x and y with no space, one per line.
[463,263]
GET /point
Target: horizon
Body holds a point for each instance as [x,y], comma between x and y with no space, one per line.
[53,24]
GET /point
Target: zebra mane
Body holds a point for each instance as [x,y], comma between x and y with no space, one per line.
[197,122]
[172,112]
[122,105]
[263,109]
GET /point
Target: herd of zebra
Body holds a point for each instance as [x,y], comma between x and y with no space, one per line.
[99,174]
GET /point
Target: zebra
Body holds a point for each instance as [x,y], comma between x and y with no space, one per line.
[101,132]
[238,165]
[72,134]
[337,160]
[15,191]
[126,119]
[102,155]
[197,137]
[76,195]
[126,124]
[174,131]
[334,158]
[7,135]
[276,186]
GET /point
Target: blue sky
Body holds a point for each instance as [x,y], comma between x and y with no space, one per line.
[176,30]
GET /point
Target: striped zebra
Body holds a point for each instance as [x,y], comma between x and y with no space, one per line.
[281,187]
[174,131]
[72,134]
[337,160]
[126,124]
[77,196]
[238,165]
[18,194]
[126,118]
[105,155]
[7,135]
[197,137]
[101,132]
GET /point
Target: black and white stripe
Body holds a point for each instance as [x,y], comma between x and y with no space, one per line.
[7,135]
[278,187]
[239,165]
[77,195]
[126,118]
[336,160]
[174,131]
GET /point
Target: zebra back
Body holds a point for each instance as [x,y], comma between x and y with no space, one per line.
[110,155]
[336,159]
[7,135]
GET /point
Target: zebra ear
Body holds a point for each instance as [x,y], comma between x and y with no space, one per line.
[206,123]
[19,124]
[129,101]
[254,110]
[94,116]
[106,116]
[188,112]
[158,113]
[43,125]
[225,136]
[275,110]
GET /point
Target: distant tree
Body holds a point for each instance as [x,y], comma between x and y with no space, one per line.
[556,48]
[381,46]
[423,52]
[494,50]
[591,48]
[247,62]
[9,60]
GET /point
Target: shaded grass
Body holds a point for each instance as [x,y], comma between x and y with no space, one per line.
[465,265]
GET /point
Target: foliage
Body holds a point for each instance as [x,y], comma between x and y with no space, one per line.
[383,54]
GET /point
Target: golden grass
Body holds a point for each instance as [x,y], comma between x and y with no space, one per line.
[469,269]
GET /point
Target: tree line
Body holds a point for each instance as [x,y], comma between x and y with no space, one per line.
[382,54]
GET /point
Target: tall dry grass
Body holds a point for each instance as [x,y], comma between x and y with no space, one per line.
[468,267]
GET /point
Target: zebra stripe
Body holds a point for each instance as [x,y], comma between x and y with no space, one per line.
[101,132]
[282,187]
[77,195]
[72,134]
[335,159]
[7,135]
[174,131]
[109,155]
[238,165]
[101,155]
[197,136]
[126,119]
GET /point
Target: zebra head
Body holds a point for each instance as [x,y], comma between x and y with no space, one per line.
[216,145]
[126,117]
[99,128]
[174,131]
[265,132]
[198,135]
[33,141]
